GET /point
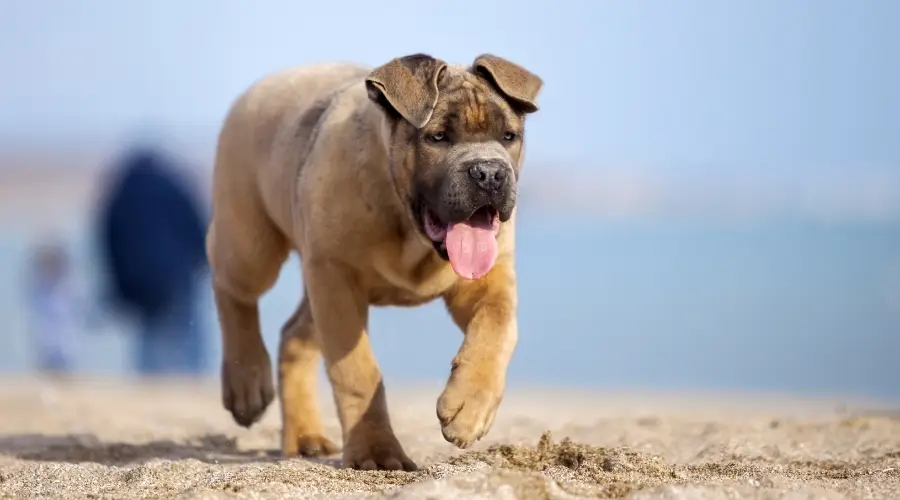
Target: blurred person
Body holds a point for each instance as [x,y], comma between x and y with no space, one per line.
[54,309]
[152,234]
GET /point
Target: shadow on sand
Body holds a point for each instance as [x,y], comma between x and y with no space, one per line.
[86,448]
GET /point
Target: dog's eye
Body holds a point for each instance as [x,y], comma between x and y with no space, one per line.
[509,136]
[438,137]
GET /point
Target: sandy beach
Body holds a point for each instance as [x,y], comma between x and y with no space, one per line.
[171,439]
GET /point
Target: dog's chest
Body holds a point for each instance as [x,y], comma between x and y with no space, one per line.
[393,296]
[409,277]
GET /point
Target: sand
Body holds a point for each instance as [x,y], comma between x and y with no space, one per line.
[171,439]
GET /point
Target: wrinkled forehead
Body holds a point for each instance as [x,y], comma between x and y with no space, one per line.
[468,103]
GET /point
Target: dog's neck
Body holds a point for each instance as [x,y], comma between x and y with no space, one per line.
[382,127]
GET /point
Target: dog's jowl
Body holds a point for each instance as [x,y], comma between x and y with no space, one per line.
[396,186]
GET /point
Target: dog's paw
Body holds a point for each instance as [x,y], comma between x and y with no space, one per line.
[466,410]
[375,449]
[310,446]
[247,387]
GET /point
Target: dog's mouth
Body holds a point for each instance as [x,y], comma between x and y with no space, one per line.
[470,245]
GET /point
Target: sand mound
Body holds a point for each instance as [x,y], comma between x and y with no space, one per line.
[578,468]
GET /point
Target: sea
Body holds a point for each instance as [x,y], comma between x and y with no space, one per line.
[656,303]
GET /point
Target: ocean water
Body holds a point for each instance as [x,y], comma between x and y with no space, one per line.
[779,305]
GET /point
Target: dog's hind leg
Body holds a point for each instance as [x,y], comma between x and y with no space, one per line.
[298,362]
[246,253]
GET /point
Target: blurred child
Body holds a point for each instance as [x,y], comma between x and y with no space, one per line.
[53,307]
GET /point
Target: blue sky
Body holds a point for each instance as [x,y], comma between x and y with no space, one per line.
[763,84]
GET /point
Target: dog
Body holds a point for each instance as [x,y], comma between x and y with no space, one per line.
[396,186]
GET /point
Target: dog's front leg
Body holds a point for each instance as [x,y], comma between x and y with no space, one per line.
[486,312]
[340,311]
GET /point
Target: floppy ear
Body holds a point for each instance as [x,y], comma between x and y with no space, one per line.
[407,86]
[515,82]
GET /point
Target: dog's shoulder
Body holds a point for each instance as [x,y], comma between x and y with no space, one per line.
[345,199]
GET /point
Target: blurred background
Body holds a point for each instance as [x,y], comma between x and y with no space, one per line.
[711,197]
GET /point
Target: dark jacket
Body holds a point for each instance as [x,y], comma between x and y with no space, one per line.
[151,234]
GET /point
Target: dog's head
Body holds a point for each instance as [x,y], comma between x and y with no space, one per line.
[455,138]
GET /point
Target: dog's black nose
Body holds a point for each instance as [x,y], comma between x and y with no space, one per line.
[488,175]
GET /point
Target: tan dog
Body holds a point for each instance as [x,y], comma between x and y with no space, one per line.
[396,186]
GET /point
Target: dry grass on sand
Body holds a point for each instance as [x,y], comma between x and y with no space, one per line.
[171,439]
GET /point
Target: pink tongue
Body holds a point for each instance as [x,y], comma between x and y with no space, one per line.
[471,246]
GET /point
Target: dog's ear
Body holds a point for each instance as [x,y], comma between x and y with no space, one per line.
[407,86]
[518,84]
